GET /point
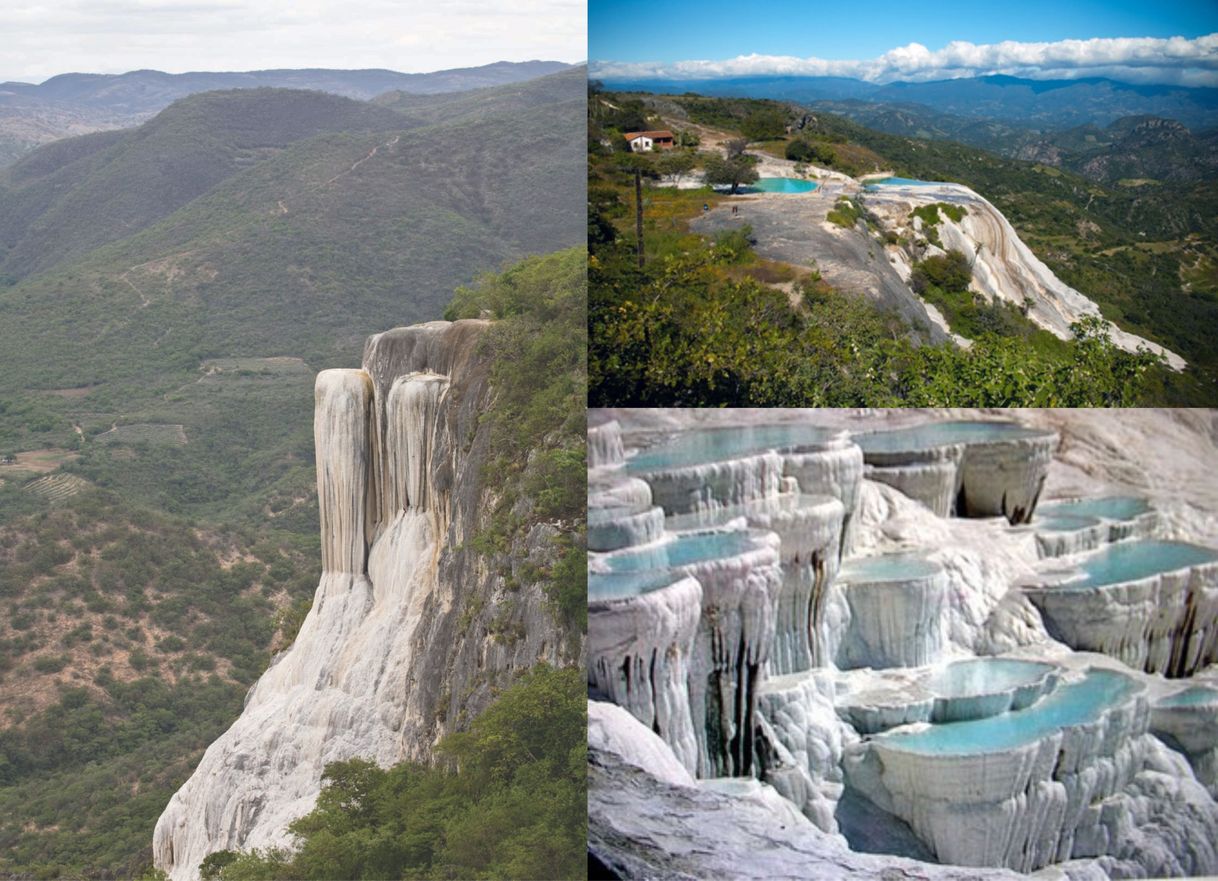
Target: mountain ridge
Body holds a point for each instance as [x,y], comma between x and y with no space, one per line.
[77,103]
[1013,100]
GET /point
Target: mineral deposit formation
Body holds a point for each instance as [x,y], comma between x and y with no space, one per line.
[876,645]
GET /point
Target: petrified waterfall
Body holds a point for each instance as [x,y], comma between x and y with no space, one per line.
[396,647]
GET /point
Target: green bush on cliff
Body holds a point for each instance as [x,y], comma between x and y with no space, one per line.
[539,350]
[513,804]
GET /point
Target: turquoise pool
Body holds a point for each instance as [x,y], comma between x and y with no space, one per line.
[706,445]
[783,185]
[888,567]
[1070,705]
[617,586]
[985,676]
[683,551]
[904,182]
[1110,507]
[1196,696]
[1064,522]
[1138,559]
[937,434]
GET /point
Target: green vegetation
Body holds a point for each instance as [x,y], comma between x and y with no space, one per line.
[944,281]
[701,324]
[697,327]
[929,215]
[512,804]
[539,350]
[804,150]
[730,172]
[764,124]
[131,638]
[844,213]
[167,377]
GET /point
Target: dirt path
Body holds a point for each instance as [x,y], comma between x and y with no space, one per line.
[360,162]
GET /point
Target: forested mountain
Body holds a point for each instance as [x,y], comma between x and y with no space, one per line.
[72,103]
[1041,104]
[170,293]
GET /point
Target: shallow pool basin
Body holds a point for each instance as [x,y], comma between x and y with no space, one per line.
[706,445]
[783,185]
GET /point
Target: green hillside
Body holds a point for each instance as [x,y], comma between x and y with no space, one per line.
[61,205]
[1146,258]
[1146,255]
[156,471]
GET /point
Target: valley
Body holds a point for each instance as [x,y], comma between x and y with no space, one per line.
[169,293]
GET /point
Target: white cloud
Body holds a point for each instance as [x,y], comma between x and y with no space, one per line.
[1173,60]
[41,38]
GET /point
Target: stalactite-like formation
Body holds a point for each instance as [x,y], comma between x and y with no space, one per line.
[342,428]
[349,685]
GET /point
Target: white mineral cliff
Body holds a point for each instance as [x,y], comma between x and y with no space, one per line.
[1004,268]
[380,662]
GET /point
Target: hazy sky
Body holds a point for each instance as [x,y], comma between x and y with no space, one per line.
[1139,40]
[41,38]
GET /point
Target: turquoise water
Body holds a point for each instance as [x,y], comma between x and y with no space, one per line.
[685,550]
[937,434]
[888,567]
[1191,697]
[613,513]
[1138,559]
[783,185]
[769,506]
[985,675]
[1064,522]
[705,445]
[1069,705]
[1111,507]
[903,182]
[617,586]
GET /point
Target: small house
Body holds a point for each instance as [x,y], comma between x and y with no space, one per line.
[645,142]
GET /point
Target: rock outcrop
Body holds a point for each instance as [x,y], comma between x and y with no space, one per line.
[396,650]
[1004,268]
[927,692]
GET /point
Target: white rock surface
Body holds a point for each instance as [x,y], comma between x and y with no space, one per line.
[1004,268]
[640,651]
[613,729]
[398,460]
[1104,798]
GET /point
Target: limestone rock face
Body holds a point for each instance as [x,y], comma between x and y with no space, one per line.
[642,827]
[383,665]
[1004,268]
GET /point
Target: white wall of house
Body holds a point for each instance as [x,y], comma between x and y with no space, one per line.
[642,144]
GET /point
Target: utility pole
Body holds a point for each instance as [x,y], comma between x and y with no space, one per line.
[638,212]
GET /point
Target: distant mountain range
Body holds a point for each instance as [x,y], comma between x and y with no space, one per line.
[78,103]
[1035,104]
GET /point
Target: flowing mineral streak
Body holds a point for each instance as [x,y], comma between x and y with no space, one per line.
[344,688]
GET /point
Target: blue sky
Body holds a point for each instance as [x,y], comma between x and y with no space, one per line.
[681,30]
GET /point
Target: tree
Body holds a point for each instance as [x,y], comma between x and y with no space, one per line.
[803,150]
[763,125]
[675,163]
[731,172]
[949,272]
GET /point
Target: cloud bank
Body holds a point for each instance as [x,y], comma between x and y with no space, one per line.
[41,39]
[1172,60]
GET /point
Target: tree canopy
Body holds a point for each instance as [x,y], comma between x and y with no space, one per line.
[513,807]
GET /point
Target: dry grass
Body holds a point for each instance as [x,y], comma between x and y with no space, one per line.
[41,461]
